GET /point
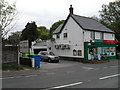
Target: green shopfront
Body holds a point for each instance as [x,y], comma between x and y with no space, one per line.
[100,50]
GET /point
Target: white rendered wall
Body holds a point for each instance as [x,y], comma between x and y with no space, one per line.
[74,39]
[87,36]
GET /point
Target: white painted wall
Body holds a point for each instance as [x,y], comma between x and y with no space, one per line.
[87,36]
[74,39]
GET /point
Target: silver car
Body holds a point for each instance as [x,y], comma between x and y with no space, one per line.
[48,56]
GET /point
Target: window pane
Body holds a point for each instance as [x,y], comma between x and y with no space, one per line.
[65,35]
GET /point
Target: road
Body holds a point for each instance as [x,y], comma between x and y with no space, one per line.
[66,74]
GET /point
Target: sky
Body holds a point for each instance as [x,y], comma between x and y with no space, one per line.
[47,12]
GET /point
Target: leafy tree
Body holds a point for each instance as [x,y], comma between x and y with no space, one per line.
[7,16]
[42,28]
[30,32]
[14,38]
[43,32]
[55,25]
[110,17]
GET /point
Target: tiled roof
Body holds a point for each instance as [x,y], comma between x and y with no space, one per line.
[90,24]
[85,23]
[58,29]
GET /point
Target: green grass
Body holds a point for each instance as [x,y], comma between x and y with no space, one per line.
[6,67]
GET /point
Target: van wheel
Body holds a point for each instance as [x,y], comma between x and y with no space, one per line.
[49,60]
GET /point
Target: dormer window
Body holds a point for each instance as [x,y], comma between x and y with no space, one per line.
[65,35]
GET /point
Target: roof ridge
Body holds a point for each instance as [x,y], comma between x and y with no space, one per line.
[83,16]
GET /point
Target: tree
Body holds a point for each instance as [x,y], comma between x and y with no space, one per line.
[110,17]
[30,32]
[55,25]
[14,38]
[7,15]
[43,32]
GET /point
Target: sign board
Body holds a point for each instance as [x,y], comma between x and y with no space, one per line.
[24,46]
[110,41]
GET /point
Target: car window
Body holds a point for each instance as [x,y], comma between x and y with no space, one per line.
[44,53]
[51,53]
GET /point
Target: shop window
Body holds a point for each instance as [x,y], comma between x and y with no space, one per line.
[92,35]
[58,35]
[65,35]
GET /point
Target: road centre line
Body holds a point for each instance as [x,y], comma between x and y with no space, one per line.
[67,85]
[106,77]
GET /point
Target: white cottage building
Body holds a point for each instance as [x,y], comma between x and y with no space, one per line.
[83,37]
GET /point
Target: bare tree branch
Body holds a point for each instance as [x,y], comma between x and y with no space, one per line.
[7,16]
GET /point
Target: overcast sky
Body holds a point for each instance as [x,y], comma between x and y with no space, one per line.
[46,12]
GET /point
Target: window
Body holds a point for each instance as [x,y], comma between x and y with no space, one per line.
[58,35]
[92,35]
[65,35]
[79,52]
[74,52]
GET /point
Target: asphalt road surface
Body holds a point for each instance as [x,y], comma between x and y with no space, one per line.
[66,74]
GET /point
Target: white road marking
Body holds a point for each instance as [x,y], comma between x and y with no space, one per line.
[113,66]
[105,67]
[10,77]
[70,71]
[106,77]
[18,77]
[51,73]
[68,85]
[88,68]
[31,76]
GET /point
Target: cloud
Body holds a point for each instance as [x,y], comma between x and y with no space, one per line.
[46,12]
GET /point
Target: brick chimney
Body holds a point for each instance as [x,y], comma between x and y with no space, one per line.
[71,9]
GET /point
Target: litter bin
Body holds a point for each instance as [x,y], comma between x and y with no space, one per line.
[35,60]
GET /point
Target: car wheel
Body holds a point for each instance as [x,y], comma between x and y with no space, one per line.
[49,60]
